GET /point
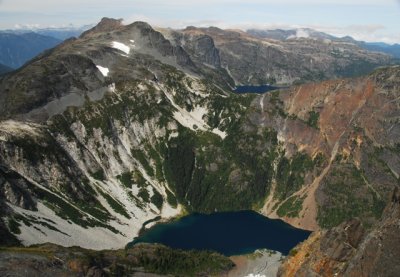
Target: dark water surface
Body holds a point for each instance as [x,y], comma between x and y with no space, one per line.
[256,89]
[229,233]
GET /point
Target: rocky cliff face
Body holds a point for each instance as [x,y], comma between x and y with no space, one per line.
[252,59]
[350,249]
[120,126]
[351,126]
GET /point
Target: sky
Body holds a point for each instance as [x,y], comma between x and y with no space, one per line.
[369,20]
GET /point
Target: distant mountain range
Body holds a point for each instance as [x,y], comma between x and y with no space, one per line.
[21,45]
[61,33]
[393,50]
[280,34]
[17,49]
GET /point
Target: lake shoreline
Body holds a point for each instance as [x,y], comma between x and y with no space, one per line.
[228,233]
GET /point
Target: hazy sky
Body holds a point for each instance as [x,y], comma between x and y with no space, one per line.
[371,20]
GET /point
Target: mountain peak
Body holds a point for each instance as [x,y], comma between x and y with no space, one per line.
[106,24]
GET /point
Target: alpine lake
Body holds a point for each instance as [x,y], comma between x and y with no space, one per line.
[229,233]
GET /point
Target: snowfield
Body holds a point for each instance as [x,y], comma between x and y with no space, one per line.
[120,46]
[103,70]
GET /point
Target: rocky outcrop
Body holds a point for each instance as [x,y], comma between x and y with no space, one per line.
[257,60]
[105,25]
[351,249]
[200,47]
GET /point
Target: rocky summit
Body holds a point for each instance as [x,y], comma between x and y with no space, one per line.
[130,123]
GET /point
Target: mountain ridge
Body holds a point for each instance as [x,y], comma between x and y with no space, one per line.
[285,34]
[119,127]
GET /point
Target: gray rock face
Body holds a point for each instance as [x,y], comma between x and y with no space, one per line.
[105,25]
[47,79]
[259,59]
[201,48]
[15,191]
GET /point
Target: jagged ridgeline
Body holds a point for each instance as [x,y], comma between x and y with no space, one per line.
[126,123]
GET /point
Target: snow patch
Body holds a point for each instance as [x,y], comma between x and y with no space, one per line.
[191,120]
[103,70]
[122,47]
[220,133]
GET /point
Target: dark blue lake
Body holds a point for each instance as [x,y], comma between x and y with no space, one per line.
[255,89]
[229,233]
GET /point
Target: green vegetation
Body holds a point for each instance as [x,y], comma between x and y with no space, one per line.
[144,194]
[126,179]
[313,118]
[239,174]
[184,263]
[13,225]
[278,104]
[140,156]
[138,179]
[293,252]
[157,199]
[115,205]
[349,197]
[139,259]
[291,207]
[68,212]
[171,199]
[155,156]
[99,175]
[290,174]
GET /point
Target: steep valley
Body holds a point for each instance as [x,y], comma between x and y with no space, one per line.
[129,123]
